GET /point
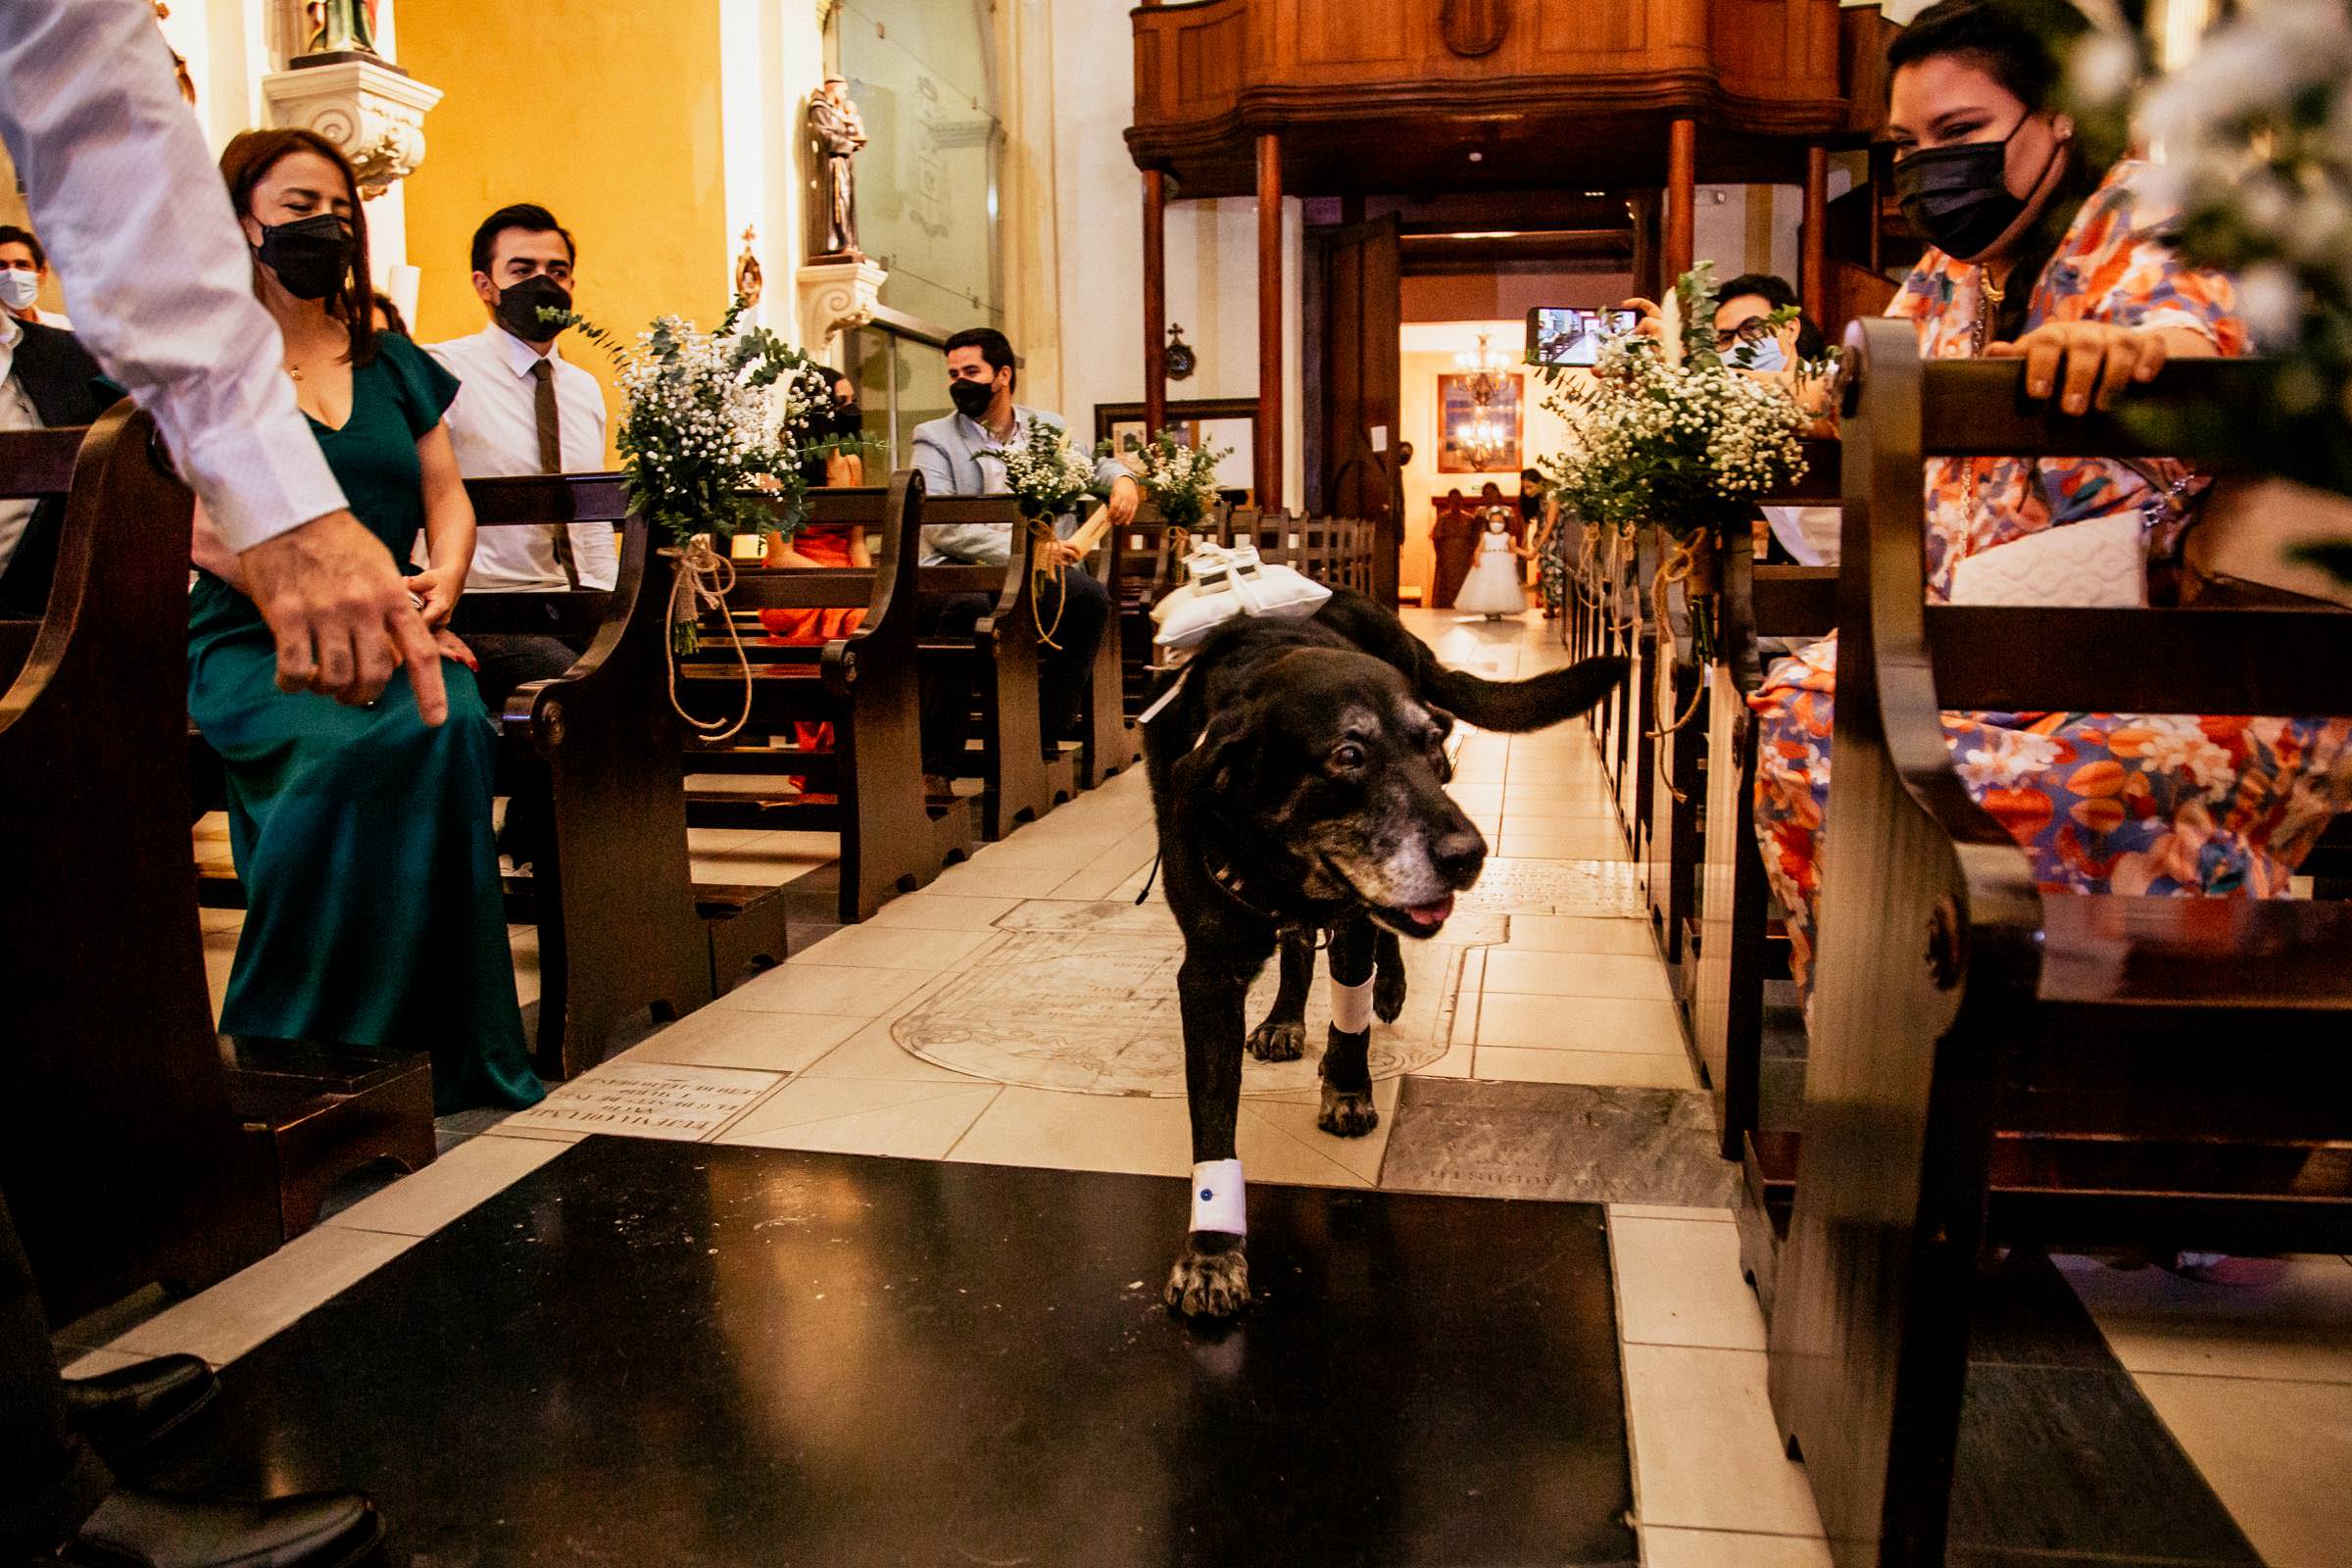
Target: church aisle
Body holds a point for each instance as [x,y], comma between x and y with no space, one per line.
[1018,1013]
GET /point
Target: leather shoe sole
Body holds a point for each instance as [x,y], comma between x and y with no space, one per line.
[124,1411]
[151,1530]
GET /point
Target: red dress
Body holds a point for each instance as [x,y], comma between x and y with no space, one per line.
[813,628]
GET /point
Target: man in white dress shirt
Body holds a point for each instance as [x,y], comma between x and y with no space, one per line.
[522,409]
[118,178]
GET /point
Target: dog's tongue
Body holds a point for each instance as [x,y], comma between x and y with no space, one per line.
[1431,914]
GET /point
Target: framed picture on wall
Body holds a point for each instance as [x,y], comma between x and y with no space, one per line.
[1225,424]
[1480,439]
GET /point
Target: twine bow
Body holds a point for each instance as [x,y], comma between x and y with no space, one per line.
[703,580]
[1691,563]
[1041,537]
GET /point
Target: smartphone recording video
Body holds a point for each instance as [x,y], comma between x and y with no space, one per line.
[1562,334]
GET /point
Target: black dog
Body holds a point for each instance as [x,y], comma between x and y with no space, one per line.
[1297,778]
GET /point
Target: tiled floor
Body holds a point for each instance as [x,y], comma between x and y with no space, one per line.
[2255,1380]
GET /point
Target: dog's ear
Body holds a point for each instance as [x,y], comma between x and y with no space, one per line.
[1445,722]
[1223,763]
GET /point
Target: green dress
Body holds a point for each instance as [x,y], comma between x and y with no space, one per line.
[373,911]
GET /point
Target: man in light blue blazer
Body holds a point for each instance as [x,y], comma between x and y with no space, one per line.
[953,455]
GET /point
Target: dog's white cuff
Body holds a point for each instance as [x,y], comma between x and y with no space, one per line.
[1217,1200]
[1352,1008]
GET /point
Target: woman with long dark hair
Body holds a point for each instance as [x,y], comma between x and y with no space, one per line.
[2039,252]
[374,910]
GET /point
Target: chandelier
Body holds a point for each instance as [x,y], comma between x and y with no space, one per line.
[1481,440]
[1483,367]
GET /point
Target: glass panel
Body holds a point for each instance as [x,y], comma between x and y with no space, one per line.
[922,73]
[867,353]
[922,382]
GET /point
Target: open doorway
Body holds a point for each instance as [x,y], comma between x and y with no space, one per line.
[1399,292]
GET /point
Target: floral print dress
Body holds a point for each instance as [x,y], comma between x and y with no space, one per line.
[2102,802]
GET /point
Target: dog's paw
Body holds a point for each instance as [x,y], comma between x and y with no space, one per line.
[1209,1283]
[1277,1040]
[1388,995]
[1347,1112]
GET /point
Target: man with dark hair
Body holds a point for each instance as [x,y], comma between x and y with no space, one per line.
[1754,296]
[23,273]
[954,456]
[522,409]
[47,379]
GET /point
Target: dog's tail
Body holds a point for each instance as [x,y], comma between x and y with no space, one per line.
[1515,707]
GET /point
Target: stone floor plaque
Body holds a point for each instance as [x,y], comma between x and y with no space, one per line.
[1554,887]
[647,1100]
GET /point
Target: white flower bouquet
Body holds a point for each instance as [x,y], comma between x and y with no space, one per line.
[1664,431]
[1180,480]
[711,438]
[1044,472]
[713,424]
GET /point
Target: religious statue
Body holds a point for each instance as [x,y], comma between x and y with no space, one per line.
[748,281]
[342,26]
[839,133]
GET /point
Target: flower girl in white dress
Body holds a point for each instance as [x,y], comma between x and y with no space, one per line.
[1493,589]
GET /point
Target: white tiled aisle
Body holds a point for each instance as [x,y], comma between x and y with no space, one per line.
[2256,1384]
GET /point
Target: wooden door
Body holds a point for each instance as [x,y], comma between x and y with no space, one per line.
[1352,447]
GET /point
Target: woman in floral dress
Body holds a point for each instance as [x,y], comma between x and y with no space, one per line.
[2043,257]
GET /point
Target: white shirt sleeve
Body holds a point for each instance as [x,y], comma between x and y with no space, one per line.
[138,223]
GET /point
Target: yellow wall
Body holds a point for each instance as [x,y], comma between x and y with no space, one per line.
[608,116]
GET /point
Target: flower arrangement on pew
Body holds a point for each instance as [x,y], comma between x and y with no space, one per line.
[1047,478]
[709,438]
[1665,433]
[1180,480]
[2256,131]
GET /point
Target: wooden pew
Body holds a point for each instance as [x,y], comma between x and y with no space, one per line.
[1732,937]
[1682,763]
[1109,741]
[1149,565]
[1725,923]
[1000,658]
[625,929]
[869,788]
[1991,1064]
[130,1154]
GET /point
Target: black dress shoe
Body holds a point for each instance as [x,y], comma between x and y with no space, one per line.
[122,1412]
[147,1530]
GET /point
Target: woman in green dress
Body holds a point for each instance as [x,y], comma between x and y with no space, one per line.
[373,911]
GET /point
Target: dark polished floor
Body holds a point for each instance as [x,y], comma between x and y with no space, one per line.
[653,1353]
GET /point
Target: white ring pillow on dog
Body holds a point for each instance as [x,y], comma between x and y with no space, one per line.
[1229,582]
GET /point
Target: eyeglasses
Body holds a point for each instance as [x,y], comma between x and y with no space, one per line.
[1755,329]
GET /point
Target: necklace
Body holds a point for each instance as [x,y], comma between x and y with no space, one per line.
[1991,296]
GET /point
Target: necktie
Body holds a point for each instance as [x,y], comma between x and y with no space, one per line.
[550,460]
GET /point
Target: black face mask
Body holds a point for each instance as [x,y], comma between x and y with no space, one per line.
[311,256]
[972,398]
[519,308]
[1958,197]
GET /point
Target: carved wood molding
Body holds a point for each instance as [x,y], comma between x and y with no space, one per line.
[1697,93]
[1473,29]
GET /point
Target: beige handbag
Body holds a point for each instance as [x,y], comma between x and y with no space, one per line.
[2238,550]
[2098,564]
